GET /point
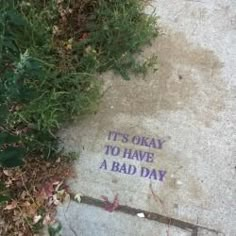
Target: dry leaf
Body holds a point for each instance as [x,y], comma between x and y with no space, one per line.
[11,206]
[23,195]
[37,218]
[46,191]
[111,206]
[7,173]
[77,197]
[32,209]
[25,204]
[47,220]
[55,200]
[58,185]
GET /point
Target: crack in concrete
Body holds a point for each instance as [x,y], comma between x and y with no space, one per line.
[151,216]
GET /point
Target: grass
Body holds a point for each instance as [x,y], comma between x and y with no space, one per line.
[49,63]
[51,52]
[38,91]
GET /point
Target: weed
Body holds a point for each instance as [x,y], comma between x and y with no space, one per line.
[37,96]
[50,54]
[48,63]
[55,230]
[117,33]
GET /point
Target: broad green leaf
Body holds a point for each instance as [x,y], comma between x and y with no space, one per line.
[3,114]
[2,186]
[10,44]
[6,138]
[12,156]
[15,18]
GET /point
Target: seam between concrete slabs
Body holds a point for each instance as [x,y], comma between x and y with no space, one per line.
[150,216]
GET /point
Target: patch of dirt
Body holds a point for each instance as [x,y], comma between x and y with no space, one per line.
[35,190]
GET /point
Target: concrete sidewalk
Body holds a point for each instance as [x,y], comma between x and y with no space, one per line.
[166,144]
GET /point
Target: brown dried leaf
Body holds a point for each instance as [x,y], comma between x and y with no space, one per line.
[37,218]
[8,173]
[47,220]
[11,206]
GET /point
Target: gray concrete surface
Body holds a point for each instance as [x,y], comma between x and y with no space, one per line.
[92,221]
[203,232]
[186,169]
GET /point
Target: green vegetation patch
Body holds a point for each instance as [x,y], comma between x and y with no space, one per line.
[50,54]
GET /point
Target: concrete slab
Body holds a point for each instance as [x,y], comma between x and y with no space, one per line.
[90,221]
[203,232]
[167,143]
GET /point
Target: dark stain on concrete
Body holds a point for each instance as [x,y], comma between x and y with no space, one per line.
[187,76]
